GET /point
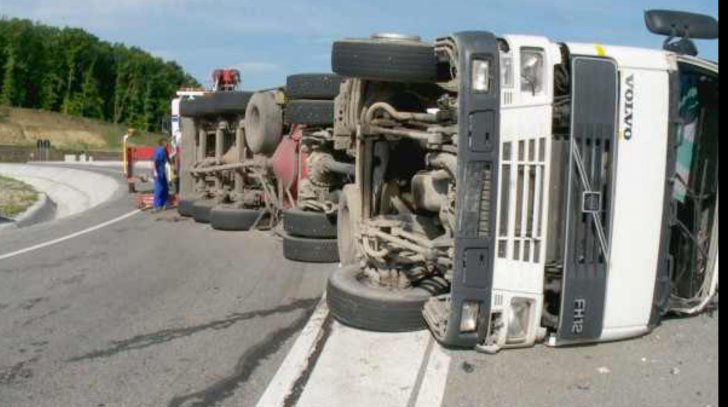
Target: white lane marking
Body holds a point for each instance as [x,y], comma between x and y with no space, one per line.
[361,368]
[297,359]
[67,237]
[364,368]
[432,389]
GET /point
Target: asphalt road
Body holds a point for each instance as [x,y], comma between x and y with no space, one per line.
[675,365]
[157,310]
[153,310]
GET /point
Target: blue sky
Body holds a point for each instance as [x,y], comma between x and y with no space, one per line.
[268,40]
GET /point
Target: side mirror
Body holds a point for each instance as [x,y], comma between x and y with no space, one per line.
[165,126]
[681,24]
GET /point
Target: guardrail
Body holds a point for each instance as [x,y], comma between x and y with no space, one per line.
[22,154]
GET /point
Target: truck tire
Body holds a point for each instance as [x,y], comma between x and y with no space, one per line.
[297,222]
[201,210]
[321,86]
[263,123]
[230,218]
[310,250]
[311,112]
[355,303]
[347,222]
[185,207]
[215,104]
[385,60]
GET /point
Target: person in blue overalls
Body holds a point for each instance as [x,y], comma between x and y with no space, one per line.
[161,184]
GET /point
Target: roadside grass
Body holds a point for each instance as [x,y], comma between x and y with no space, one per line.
[15,196]
[23,127]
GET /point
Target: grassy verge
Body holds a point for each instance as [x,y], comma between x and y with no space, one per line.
[15,196]
[23,127]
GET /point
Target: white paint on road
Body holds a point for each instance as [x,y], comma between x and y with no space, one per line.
[297,359]
[68,237]
[432,388]
[361,368]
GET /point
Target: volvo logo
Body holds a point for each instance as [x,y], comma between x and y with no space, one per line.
[628,106]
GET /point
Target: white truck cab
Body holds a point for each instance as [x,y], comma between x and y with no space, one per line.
[626,166]
[514,189]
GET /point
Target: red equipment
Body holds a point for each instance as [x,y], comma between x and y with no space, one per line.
[141,153]
[225,79]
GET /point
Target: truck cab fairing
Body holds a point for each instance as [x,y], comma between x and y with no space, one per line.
[639,175]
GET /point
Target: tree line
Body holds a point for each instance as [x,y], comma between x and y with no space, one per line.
[70,71]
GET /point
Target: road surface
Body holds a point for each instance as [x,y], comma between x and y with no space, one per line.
[155,310]
[151,310]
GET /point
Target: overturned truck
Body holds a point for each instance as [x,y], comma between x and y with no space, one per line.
[511,190]
[252,159]
[244,155]
[226,160]
[309,225]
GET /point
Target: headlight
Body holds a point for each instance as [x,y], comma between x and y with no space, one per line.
[480,75]
[469,316]
[518,319]
[531,70]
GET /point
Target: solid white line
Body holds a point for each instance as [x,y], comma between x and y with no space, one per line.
[432,389]
[364,369]
[67,237]
[358,368]
[296,360]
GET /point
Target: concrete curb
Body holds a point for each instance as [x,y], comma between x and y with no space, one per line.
[70,191]
[146,165]
[44,209]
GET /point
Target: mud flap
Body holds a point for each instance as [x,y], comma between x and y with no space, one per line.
[588,214]
[478,143]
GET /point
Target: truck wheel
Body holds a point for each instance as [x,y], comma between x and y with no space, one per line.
[263,123]
[310,250]
[385,60]
[354,302]
[312,112]
[302,223]
[185,207]
[313,86]
[201,210]
[347,224]
[230,218]
[218,103]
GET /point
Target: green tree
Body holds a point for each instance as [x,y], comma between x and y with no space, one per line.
[7,95]
[72,71]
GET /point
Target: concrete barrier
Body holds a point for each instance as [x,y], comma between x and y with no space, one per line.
[71,190]
[22,154]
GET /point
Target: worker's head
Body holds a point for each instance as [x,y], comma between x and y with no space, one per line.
[162,141]
[130,131]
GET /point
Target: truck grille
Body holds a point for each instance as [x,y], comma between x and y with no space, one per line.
[521,195]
